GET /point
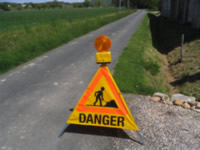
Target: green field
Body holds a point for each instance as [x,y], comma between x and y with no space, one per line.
[15,20]
[25,35]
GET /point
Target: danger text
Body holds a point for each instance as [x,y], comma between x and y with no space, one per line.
[100,119]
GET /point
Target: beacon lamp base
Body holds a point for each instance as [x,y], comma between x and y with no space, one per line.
[103,57]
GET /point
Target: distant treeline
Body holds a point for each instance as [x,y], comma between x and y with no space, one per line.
[8,6]
[93,3]
[55,4]
[150,4]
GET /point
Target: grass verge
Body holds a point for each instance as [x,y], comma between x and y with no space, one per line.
[23,44]
[186,72]
[140,67]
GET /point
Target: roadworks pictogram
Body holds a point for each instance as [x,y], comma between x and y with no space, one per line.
[102,104]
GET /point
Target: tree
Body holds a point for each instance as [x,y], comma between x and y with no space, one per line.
[18,7]
[86,3]
[98,3]
[4,6]
[77,5]
[150,4]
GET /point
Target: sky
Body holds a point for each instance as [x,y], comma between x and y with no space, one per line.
[38,1]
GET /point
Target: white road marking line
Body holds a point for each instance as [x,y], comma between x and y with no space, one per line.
[91,35]
[25,67]
[74,43]
[22,137]
[114,33]
[3,80]
[55,83]
[3,147]
[32,64]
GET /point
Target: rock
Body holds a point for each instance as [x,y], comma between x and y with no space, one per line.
[183,98]
[178,102]
[155,99]
[169,102]
[192,104]
[163,97]
[148,97]
[197,136]
[197,110]
[186,106]
[197,105]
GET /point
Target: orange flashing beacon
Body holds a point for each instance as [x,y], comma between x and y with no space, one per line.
[103,44]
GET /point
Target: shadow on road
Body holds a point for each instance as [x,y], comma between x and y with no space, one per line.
[100,131]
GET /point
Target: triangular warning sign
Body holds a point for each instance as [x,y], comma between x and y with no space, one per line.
[102,104]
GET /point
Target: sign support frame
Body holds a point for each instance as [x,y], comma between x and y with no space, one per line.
[102,45]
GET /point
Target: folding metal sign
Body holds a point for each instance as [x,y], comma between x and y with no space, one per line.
[102,104]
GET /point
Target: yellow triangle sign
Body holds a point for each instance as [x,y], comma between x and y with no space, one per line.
[102,104]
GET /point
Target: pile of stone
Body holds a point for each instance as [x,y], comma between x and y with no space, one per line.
[187,102]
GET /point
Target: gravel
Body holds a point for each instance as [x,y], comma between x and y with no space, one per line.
[163,126]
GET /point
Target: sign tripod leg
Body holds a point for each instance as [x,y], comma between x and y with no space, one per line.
[63,130]
[141,138]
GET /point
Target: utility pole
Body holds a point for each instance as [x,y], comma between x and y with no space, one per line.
[119,5]
[182,45]
[128,4]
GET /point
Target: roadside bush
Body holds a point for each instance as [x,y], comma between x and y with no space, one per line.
[86,3]
[78,5]
[4,6]
[152,67]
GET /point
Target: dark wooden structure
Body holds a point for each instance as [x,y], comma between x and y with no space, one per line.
[183,11]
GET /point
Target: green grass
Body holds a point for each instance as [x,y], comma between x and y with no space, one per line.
[139,68]
[187,72]
[15,20]
[32,35]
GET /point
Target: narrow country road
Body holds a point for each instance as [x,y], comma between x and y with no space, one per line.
[36,98]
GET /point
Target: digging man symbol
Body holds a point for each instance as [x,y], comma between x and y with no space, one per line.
[99,96]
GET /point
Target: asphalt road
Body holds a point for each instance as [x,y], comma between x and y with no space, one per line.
[36,98]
